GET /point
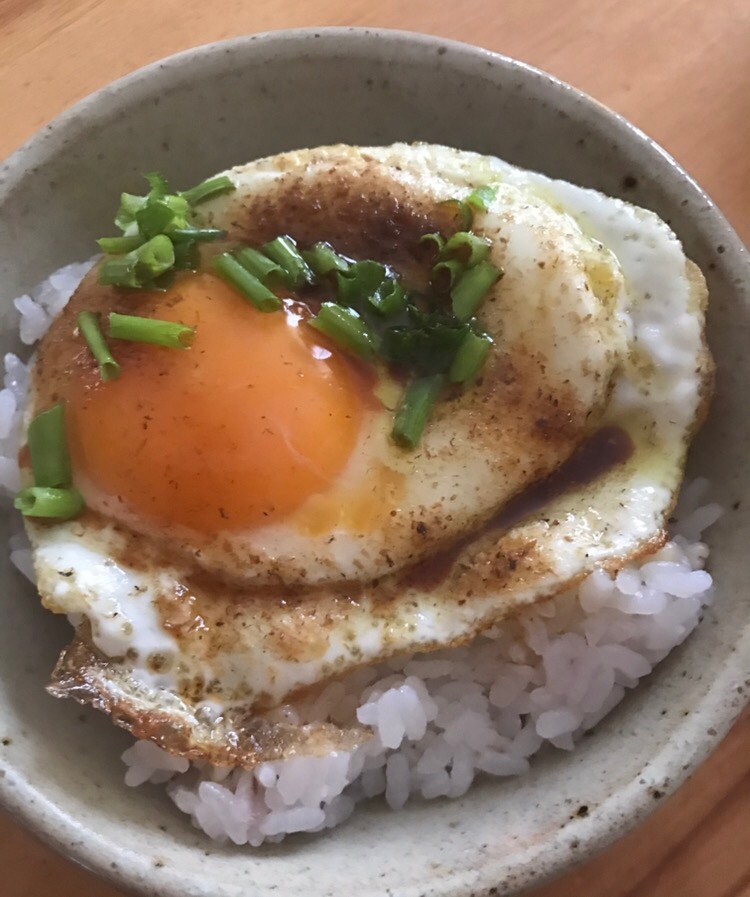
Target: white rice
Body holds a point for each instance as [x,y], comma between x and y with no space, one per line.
[438,720]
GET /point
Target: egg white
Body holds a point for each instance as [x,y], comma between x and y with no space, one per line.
[633,318]
[559,318]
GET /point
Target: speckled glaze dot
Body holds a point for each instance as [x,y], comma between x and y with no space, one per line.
[64,779]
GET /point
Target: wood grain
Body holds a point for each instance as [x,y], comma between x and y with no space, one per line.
[679,69]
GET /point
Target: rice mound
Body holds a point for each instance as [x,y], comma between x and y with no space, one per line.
[438,720]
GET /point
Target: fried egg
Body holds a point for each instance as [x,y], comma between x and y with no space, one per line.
[251,528]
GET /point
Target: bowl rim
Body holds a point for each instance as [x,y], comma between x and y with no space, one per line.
[670,767]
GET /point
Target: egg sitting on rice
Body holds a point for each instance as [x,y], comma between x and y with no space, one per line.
[272,502]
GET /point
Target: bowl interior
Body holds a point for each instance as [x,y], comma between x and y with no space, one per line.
[214,107]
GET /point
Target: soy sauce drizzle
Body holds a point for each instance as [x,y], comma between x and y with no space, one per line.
[607,448]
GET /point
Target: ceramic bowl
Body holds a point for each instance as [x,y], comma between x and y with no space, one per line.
[209,108]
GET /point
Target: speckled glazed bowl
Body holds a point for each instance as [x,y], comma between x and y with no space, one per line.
[207,109]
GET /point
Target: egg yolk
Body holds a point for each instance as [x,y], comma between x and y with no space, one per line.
[234,432]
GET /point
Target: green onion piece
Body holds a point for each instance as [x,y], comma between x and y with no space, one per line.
[88,324]
[470,357]
[46,501]
[481,198]
[345,327]
[445,274]
[139,267]
[467,247]
[415,408]
[199,234]
[158,183]
[179,205]
[461,210]
[427,345]
[230,270]
[169,334]
[389,298]
[154,218]
[155,257]
[117,245]
[360,282]
[437,241]
[208,189]
[120,271]
[257,264]
[129,205]
[284,252]
[471,288]
[323,259]
[48,448]
[187,256]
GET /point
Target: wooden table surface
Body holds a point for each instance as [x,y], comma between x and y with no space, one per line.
[680,69]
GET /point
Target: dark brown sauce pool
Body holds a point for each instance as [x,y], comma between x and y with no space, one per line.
[607,448]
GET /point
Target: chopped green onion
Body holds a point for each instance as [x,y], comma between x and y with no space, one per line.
[158,183]
[208,189]
[46,501]
[345,327]
[445,274]
[120,271]
[427,345]
[200,234]
[360,282]
[187,256]
[230,270]
[471,288]
[129,205]
[257,264]
[154,218]
[117,245]
[154,226]
[48,448]
[461,210]
[470,357]
[481,198]
[478,200]
[437,241]
[178,204]
[415,408]
[284,252]
[169,334]
[323,259]
[389,298]
[155,257]
[467,247]
[88,324]
[139,267]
